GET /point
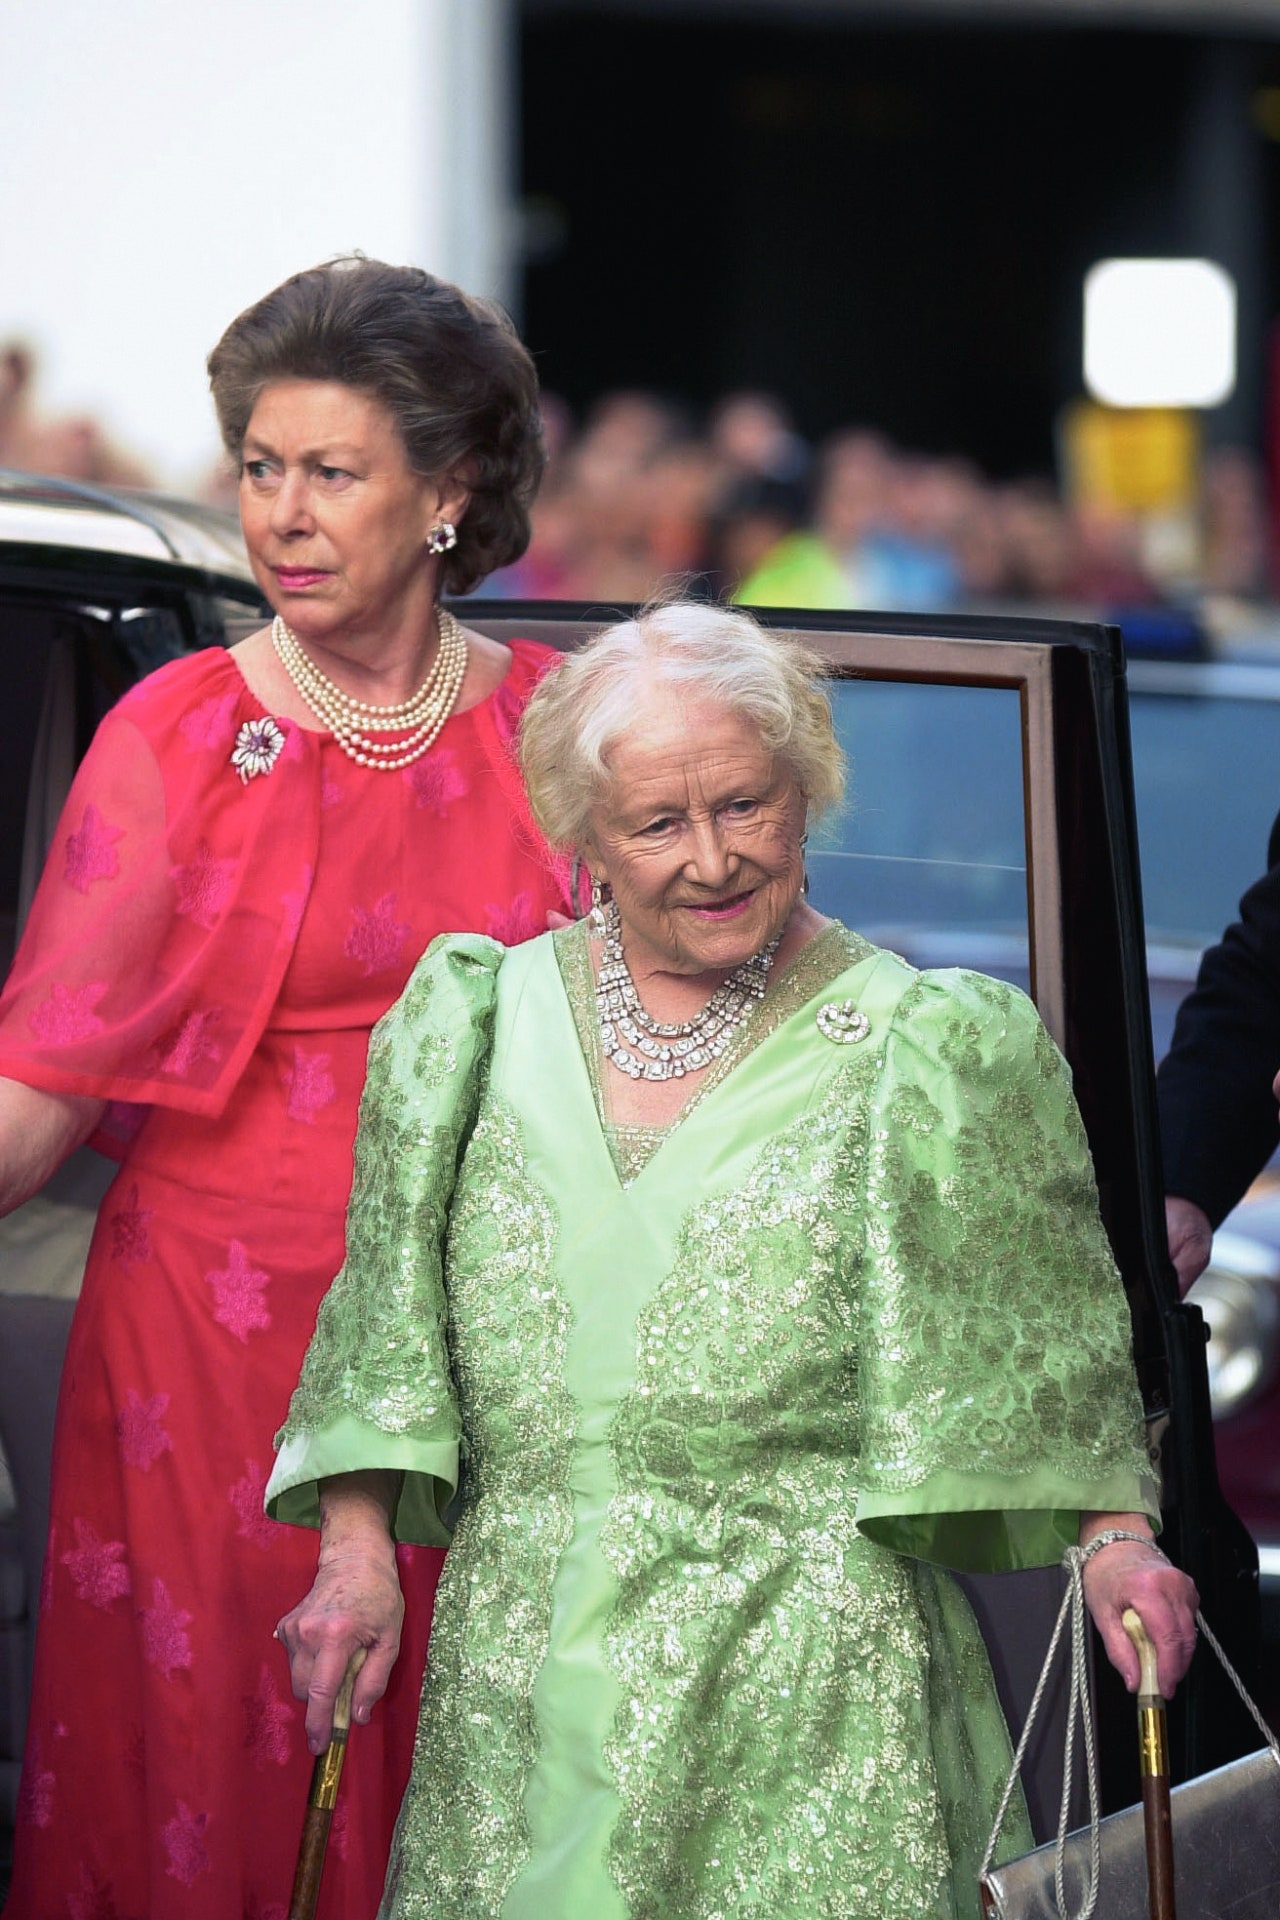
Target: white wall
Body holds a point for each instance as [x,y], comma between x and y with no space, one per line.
[165,162]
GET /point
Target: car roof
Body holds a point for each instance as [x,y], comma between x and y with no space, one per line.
[40,511]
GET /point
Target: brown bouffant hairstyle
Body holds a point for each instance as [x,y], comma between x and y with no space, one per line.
[449,369]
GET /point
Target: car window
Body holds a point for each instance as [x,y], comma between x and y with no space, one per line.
[928,852]
[1206,771]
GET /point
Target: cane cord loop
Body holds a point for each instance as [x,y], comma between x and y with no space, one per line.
[1078,1700]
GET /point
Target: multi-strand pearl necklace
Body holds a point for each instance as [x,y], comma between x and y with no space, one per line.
[647,1049]
[355,724]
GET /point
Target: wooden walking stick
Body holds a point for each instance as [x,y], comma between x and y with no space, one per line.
[1153,1749]
[322,1800]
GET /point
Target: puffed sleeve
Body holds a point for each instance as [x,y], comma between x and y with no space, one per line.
[376,1388]
[170,903]
[996,1378]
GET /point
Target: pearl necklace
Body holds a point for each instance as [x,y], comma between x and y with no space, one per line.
[355,724]
[647,1049]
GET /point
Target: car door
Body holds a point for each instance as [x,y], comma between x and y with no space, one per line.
[991,824]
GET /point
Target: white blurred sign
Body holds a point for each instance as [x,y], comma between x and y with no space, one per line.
[1159,333]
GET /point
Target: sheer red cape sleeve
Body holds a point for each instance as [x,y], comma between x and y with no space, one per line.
[170,902]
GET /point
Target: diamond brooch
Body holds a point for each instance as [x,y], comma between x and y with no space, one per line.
[839,1020]
[257,748]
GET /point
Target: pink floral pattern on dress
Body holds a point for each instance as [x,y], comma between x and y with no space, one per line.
[237,1293]
[183,1838]
[331,790]
[130,1241]
[246,1496]
[436,782]
[35,1793]
[212,723]
[68,1013]
[94,1900]
[165,1641]
[140,1429]
[267,1720]
[191,1042]
[97,1567]
[376,938]
[90,852]
[513,922]
[310,1084]
[203,885]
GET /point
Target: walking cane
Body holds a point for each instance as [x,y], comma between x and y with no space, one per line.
[1153,1748]
[322,1800]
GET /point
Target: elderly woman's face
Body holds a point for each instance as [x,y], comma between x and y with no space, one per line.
[335,519]
[699,835]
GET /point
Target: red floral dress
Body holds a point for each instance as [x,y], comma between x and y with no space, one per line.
[210,953]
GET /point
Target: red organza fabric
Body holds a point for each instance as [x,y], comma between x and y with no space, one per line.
[213,954]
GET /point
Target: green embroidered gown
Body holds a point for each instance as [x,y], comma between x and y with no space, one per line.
[730,1400]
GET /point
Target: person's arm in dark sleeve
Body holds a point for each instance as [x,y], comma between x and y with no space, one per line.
[1218,1117]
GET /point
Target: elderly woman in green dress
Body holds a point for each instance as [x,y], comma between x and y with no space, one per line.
[757,1280]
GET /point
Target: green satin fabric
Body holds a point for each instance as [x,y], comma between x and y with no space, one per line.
[855,1320]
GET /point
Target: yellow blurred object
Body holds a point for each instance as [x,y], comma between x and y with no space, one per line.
[1145,459]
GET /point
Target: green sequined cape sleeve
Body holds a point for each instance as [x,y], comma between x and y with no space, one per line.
[376,1388]
[995,1347]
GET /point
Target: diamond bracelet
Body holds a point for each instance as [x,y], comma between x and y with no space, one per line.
[1110,1536]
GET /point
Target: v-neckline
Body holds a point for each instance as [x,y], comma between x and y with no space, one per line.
[632,1147]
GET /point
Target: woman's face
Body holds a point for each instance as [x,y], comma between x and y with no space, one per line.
[699,836]
[335,519]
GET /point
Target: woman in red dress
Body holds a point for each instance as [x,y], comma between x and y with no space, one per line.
[256,849]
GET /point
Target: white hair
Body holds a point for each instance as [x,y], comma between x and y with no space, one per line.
[713,653]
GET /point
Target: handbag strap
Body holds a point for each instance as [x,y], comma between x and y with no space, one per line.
[1079,1702]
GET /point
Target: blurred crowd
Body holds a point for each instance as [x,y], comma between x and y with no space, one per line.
[744,506]
[638,494]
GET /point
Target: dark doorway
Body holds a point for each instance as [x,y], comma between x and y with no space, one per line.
[888,227]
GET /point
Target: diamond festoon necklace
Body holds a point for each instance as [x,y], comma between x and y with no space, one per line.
[647,1049]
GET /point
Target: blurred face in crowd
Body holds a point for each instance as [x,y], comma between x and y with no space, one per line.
[856,477]
[699,835]
[335,520]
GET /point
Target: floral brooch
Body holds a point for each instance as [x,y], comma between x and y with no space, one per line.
[839,1020]
[257,748]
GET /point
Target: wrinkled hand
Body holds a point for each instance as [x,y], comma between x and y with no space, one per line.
[355,1602]
[1128,1574]
[1190,1238]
